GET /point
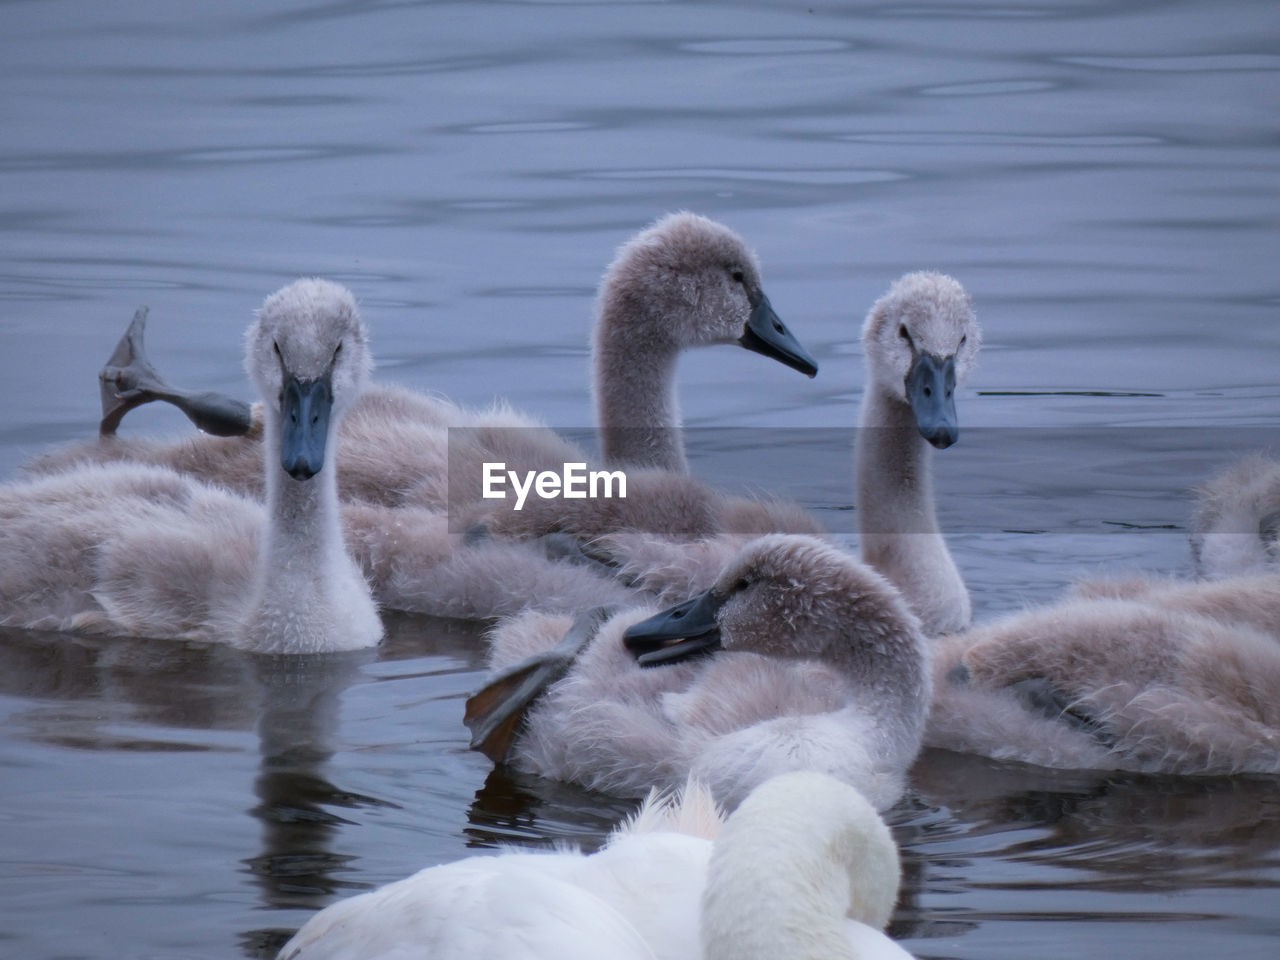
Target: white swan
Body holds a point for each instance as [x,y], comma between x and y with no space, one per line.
[921,340]
[803,869]
[141,550]
[1160,677]
[1235,527]
[822,667]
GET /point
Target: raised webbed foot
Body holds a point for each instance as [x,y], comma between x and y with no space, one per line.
[129,380]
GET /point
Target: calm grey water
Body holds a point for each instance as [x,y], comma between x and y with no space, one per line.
[1101,175]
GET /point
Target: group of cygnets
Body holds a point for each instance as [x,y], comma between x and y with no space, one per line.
[792,683]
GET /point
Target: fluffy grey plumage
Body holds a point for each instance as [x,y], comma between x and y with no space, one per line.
[143,550]
[824,667]
[922,314]
[1164,677]
[1235,527]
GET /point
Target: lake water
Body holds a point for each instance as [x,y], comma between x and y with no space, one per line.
[1102,176]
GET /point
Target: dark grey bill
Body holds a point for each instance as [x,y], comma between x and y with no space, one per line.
[686,630]
[766,334]
[305,408]
[931,385]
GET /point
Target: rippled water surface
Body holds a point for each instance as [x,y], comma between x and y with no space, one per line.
[1102,176]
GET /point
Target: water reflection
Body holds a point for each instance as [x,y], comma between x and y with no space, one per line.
[98,684]
[517,809]
[296,732]
[1099,831]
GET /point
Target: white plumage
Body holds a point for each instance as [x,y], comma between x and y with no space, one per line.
[804,869]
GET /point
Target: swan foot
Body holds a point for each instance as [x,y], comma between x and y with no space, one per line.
[496,712]
[119,381]
[129,380]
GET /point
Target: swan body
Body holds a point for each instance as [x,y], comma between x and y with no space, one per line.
[1167,677]
[418,564]
[822,667]
[803,869]
[685,281]
[142,550]
[1235,527]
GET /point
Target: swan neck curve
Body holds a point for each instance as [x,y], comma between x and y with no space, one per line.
[303,566]
[636,409]
[895,472]
[792,910]
[303,514]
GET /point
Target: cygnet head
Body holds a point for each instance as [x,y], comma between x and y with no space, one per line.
[307,354]
[688,281]
[921,340]
[787,595]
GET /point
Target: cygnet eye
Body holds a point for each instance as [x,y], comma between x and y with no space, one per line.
[738,276]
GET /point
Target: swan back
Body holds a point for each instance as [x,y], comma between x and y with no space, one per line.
[1182,678]
[800,855]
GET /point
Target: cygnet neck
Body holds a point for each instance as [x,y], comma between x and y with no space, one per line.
[636,407]
[303,515]
[895,474]
[897,519]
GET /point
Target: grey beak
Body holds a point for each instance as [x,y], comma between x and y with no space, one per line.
[677,633]
[305,408]
[931,384]
[766,334]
